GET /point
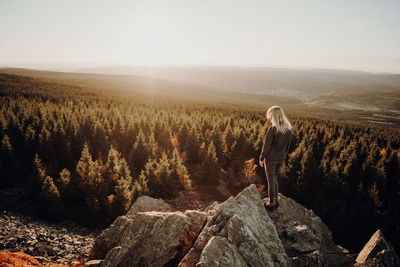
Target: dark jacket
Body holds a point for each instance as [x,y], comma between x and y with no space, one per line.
[276,144]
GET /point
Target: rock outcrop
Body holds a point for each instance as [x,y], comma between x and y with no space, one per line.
[307,240]
[377,252]
[237,232]
[148,235]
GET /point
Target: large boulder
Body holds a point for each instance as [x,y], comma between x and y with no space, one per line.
[377,252]
[110,237]
[306,239]
[148,238]
[155,239]
[239,233]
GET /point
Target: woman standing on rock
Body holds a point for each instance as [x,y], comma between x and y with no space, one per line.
[274,151]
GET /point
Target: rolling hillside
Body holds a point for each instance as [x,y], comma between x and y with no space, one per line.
[302,84]
[339,95]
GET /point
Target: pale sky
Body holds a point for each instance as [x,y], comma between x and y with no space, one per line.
[357,34]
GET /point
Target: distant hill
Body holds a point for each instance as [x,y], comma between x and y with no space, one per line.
[154,87]
[370,97]
[302,84]
[340,95]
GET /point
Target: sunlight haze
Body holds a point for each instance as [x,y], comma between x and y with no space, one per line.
[355,35]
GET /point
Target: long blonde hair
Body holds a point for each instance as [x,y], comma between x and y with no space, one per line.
[279,119]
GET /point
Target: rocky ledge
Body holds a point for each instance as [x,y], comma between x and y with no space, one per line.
[48,243]
[237,232]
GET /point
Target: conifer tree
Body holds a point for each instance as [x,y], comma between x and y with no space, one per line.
[140,153]
[30,143]
[86,168]
[61,150]
[309,176]
[209,165]
[123,192]
[292,173]
[216,138]
[183,135]
[260,135]
[192,146]
[162,185]
[118,131]
[162,136]
[228,142]
[179,171]
[352,171]
[50,200]
[148,174]
[9,167]
[5,144]
[99,141]
[111,170]
[91,182]
[154,148]
[39,175]
[64,180]
[142,183]
[239,143]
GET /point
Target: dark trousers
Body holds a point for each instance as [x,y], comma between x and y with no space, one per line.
[271,168]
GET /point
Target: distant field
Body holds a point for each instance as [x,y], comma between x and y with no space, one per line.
[371,107]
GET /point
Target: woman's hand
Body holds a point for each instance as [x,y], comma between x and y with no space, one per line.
[261,163]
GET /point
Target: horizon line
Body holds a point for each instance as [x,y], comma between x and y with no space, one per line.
[74,67]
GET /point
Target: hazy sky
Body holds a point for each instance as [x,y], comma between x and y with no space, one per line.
[357,34]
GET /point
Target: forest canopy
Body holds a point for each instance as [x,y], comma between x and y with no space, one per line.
[89,152]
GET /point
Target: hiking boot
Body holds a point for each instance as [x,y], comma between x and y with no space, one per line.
[269,207]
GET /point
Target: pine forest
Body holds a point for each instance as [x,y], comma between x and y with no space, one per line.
[88,152]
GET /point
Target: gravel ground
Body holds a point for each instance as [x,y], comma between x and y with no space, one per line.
[48,243]
[22,230]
